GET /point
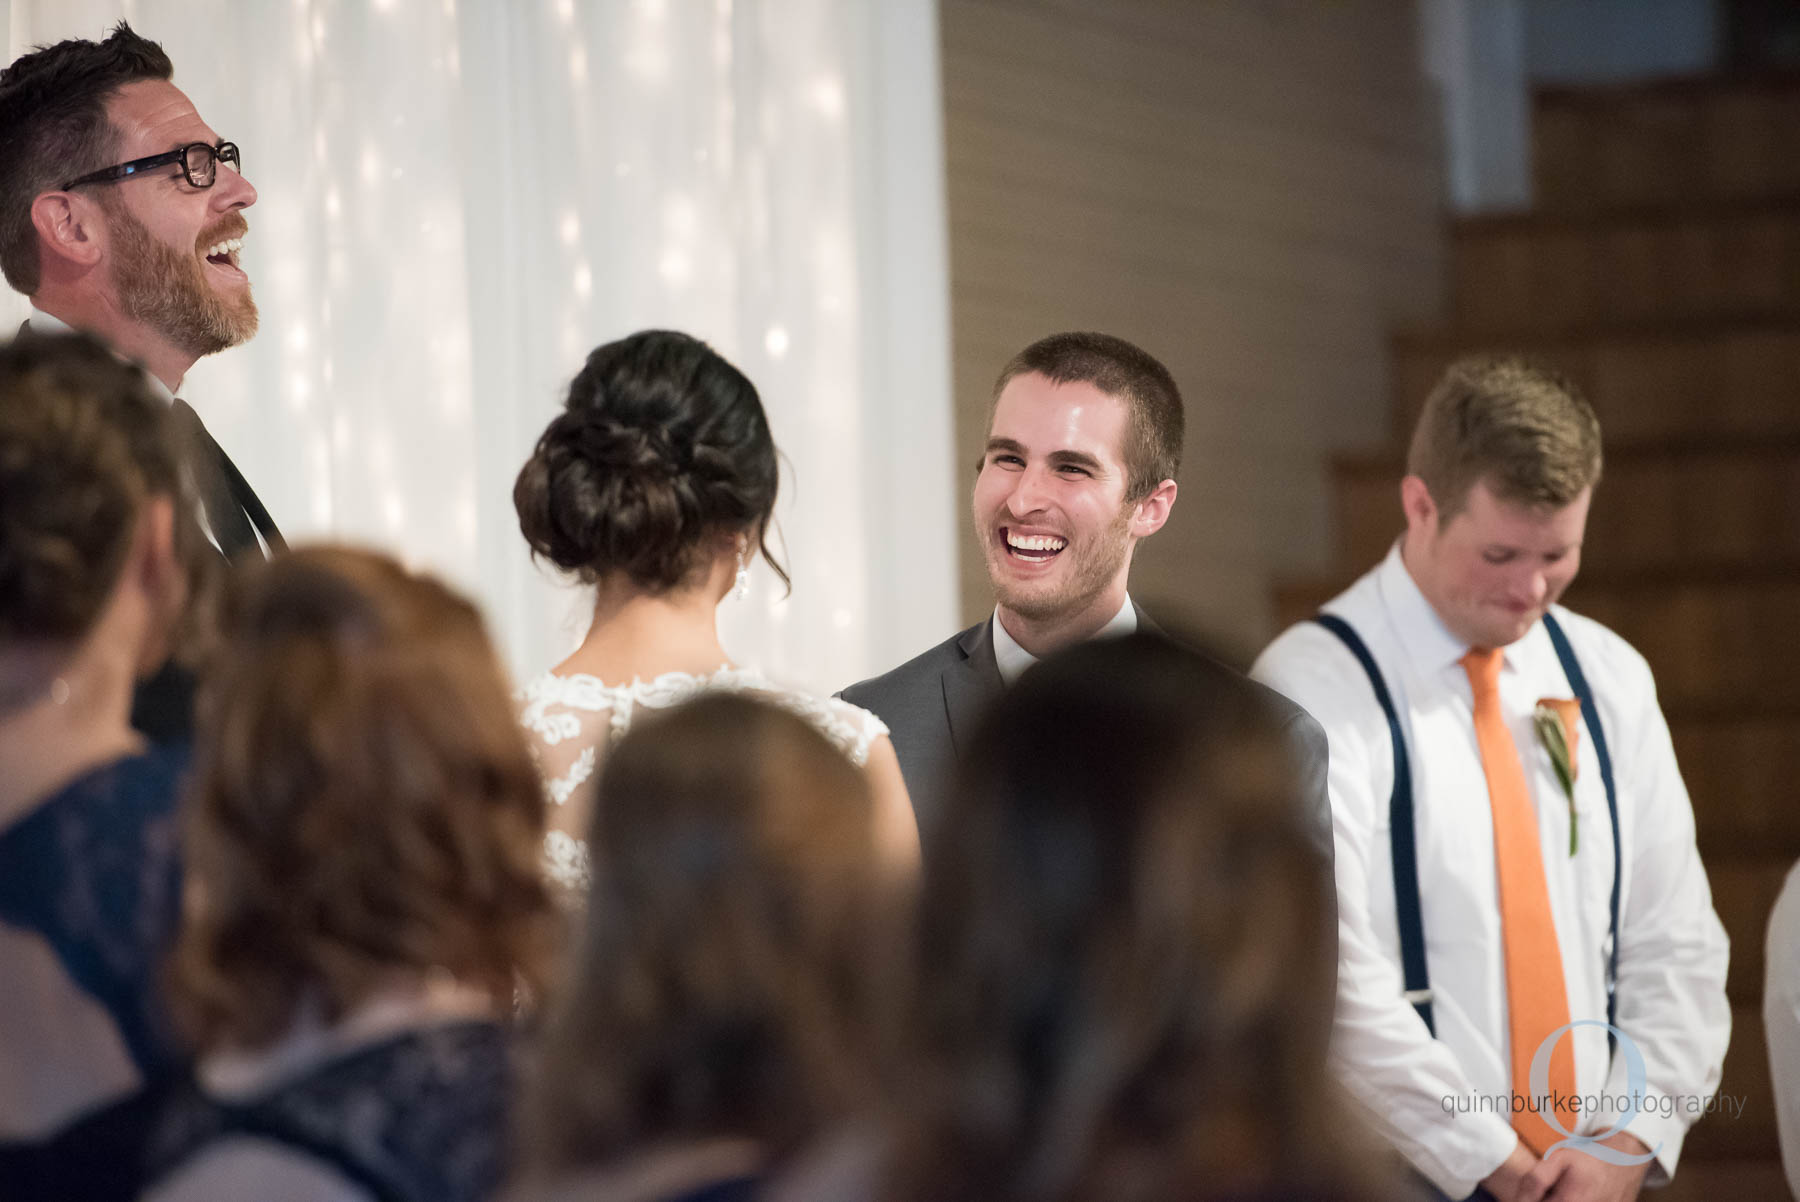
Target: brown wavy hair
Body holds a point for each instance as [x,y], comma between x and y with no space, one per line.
[737,951]
[1127,968]
[364,805]
[84,445]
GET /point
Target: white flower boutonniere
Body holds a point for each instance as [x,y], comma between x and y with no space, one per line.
[1556,721]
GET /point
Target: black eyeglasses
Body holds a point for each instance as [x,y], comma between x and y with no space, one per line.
[199,162]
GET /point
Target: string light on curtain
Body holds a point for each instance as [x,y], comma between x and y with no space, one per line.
[458,201]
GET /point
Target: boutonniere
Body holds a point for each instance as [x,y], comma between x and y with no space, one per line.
[1555,719]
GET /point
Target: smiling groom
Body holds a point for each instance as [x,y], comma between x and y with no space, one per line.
[1082,452]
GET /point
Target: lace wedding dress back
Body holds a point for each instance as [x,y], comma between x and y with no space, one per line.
[573,719]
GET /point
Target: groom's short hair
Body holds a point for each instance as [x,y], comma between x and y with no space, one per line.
[1154,430]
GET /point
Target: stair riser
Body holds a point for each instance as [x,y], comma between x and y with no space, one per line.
[1553,275]
[1740,774]
[1658,148]
[1744,893]
[1646,386]
[1711,645]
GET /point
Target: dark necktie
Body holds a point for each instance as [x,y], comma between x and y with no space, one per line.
[224,494]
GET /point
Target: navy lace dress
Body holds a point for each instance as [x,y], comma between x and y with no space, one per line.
[420,1117]
[94,872]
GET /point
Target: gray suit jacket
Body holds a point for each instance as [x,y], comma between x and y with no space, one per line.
[933,702]
[930,703]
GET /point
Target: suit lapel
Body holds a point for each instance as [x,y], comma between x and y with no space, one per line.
[971,685]
[1145,623]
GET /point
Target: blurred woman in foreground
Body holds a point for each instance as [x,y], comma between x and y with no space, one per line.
[1126,978]
[96,555]
[364,895]
[718,1036]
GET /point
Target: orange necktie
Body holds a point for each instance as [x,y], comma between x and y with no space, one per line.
[1537,1001]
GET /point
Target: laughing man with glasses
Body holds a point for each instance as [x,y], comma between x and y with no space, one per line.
[116,219]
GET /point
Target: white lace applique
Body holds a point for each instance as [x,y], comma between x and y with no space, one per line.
[566,861]
[552,706]
[564,786]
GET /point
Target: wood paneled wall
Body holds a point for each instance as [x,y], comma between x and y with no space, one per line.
[1246,188]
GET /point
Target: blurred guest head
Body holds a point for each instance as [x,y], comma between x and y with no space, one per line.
[365,812]
[1502,467]
[120,209]
[737,946]
[97,545]
[658,475]
[1083,445]
[1126,983]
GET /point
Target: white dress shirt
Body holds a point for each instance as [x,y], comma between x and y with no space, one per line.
[41,322]
[1426,1096]
[1781,1020]
[1012,659]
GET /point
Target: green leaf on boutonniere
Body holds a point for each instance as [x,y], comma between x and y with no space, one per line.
[1555,739]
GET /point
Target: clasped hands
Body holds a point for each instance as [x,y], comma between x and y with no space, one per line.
[1569,1175]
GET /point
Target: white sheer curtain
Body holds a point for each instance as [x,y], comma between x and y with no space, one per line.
[459,198]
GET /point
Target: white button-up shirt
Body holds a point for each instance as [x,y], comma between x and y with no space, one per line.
[1781,1020]
[46,323]
[1012,659]
[1435,1099]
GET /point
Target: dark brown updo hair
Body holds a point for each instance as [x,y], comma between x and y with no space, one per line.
[661,445]
[83,444]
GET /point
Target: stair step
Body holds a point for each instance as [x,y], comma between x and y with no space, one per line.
[1711,638]
[1667,141]
[1744,890]
[1651,382]
[1532,272]
[1740,772]
[1716,503]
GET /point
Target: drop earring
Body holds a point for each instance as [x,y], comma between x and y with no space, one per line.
[741,589]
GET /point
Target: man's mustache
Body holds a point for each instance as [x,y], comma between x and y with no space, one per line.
[232,227]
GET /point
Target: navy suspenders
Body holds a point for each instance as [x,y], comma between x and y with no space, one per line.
[1578,681]
[1407,914]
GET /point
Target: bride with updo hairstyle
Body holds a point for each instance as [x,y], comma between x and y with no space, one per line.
[655,485]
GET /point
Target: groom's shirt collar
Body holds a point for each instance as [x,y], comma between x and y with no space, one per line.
[1012,659]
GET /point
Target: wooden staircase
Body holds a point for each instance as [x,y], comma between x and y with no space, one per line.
[1661,270]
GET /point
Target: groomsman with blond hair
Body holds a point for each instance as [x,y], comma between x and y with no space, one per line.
[1515,854]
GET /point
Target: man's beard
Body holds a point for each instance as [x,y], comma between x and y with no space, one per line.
[1096,565]
[167,291]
